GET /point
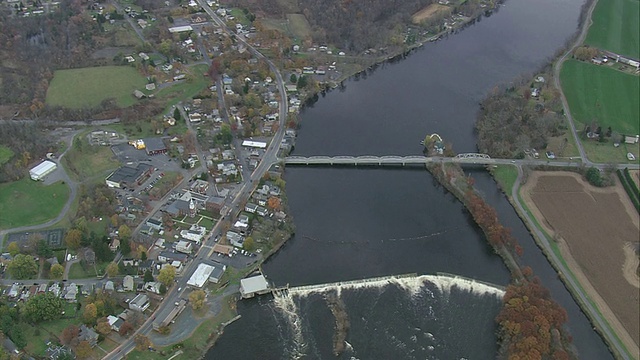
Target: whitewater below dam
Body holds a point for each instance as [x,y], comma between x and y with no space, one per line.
[409,317]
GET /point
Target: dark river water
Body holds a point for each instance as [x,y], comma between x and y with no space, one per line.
[363,223]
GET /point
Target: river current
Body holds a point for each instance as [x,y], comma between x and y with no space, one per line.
[363,223]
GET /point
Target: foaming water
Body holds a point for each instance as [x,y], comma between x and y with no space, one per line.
[401,313]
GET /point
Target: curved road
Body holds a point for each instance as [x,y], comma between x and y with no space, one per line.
[73,186]
[556,80]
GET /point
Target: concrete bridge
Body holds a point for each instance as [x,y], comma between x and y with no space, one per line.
[469,158]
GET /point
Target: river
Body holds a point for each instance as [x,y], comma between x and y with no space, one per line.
[362,223]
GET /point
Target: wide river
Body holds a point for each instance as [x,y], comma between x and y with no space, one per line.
[363,223]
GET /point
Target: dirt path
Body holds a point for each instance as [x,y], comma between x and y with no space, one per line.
[630,262]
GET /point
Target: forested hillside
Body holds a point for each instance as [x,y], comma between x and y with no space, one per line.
[350,25]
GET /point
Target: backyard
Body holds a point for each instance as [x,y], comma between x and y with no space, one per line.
[616,27]
[88,87]
[27,202]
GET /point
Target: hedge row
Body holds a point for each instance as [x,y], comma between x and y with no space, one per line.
[631,182]
[630,191]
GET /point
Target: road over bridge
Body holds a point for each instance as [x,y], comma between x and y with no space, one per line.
[463,159]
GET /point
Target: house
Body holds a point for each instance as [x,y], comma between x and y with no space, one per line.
[235,239]
[262,211]
[153,287]
[115,322]
[139,94]
[178,265]
[14,291]
[251,208]
[114,244]
[195,233]
[127,283]
[155,224]
[184,247]
[139,303]
[87,334]
[168,256]
[109,286]
[71,292]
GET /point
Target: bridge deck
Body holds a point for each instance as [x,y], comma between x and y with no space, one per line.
[386,160]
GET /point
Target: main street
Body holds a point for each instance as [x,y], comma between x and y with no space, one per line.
[269,158]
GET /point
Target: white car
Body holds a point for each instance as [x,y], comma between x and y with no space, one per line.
[631,157]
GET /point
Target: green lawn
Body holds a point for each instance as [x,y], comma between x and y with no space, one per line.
[84,161]
[606,96]
[88,87]
[5,154]
[299,25]
[77,271]
[506,176]
[28,202]
[616,27]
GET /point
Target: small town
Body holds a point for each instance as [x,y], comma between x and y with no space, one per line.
[180,178]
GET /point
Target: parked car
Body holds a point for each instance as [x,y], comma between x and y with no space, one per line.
[550,155]
[630,157]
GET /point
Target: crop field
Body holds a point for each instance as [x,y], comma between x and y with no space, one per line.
[599,226]
[27,202]
[616,27]
[602,95]
[88,87]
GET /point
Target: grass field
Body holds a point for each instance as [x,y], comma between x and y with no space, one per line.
[299,26]
[616,27]
[506,176]
[88,161]
[27,202]
[88,87]
[608,97]
[5,154]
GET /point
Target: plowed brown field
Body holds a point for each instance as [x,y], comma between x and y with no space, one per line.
[597,231]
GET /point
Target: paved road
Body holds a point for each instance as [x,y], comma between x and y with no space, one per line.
[73,186]
[569,279]
[556,80]
[242,195]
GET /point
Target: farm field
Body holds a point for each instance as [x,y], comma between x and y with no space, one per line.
[602,95]
[88,87]
[596,230]
[616,27]
[27,202]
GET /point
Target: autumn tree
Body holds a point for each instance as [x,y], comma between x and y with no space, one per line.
[112,269]
[90,313]
[196,298]
[43,307]
[56,271]
[125,328]
[166,275]
[83,350]
[142,342]
[103,326]
[23,267]
[274,203]
[72,238]
[13,248]
[124,232]
[249,244]
[70,334]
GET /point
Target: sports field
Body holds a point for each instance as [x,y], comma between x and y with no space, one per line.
[28,202]
[88,87]
[604,95]
[616,27]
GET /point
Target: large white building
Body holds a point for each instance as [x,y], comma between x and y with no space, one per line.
[249,287]
[43,169]
[200,276]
